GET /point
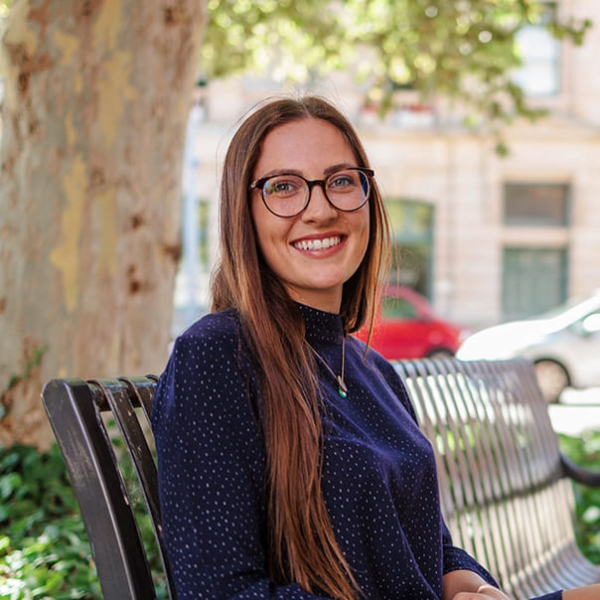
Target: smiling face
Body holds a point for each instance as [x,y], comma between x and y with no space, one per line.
[317,251]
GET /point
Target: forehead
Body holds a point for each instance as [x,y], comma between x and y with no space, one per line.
[308,145]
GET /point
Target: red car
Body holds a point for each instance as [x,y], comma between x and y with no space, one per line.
[407,327]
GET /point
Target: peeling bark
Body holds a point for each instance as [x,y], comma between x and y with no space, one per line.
[96,101]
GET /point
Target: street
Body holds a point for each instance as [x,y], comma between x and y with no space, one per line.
[578,410]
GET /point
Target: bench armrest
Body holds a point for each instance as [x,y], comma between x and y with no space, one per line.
[576,473]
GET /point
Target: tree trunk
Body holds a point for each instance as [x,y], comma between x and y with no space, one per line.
[96,101]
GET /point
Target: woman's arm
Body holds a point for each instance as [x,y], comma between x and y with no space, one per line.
[485,592]
[468,585]
[461,571]
[588,592]
[211,469]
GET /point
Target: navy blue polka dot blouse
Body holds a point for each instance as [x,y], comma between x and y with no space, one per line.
[379,478]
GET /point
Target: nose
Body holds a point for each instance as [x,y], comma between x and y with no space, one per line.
[318,206]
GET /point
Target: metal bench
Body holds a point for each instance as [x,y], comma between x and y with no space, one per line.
[506,489]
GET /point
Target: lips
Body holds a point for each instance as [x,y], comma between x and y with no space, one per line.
[319,244]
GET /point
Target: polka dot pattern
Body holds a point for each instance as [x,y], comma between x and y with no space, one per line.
[379,476]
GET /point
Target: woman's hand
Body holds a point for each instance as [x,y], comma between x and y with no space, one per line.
[488,592]
[484,592]
[468,585]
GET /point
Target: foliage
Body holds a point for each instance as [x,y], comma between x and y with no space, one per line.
[463,49]
[44,550]
[585,451]
[4,8]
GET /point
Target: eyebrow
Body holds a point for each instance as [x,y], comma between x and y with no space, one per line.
[328,171]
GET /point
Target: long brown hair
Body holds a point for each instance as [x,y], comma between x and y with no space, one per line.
[303,548]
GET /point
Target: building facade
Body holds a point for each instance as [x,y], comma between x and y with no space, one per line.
[486,238]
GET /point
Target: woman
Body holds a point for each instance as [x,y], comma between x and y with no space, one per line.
[290,461]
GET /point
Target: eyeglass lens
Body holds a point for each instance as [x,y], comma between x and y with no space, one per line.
[288,195]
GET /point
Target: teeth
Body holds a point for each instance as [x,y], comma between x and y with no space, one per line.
[317,244]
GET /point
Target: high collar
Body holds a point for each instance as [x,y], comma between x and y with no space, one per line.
[321,327]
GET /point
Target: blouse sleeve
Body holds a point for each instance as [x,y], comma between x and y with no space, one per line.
[454,558]
[211,467]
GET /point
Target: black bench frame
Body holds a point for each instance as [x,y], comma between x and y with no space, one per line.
[77,412]
[505,487]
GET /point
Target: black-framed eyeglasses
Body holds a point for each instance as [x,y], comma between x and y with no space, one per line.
[288,195]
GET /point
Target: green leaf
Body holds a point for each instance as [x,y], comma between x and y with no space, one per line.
[9,485]
[462,50]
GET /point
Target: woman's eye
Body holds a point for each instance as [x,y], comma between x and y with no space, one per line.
[282,187]
[341,181]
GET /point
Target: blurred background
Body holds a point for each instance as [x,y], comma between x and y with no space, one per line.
[486,238]
[488,228]
[482,122]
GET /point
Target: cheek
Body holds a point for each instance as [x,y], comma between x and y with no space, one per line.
[262,223]
[255,211]
[270,230]
[363,228]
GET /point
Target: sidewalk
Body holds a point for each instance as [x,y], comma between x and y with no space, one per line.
[579,410]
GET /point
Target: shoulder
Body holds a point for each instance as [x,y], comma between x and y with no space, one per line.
[207,350]
[373,358]
[215,336]
[213,328]
[385,369]
[204,365]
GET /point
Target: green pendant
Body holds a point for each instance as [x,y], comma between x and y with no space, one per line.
[342,389]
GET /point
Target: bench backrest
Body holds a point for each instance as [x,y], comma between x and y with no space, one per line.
[92,421]
[503,493]
[501,484]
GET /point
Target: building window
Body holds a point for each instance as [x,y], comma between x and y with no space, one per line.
[412,244]
[534,281]
[536,204]
[539,50]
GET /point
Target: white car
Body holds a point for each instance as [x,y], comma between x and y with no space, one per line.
[564,345]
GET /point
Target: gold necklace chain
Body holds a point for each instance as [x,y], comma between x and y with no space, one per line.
[342,389]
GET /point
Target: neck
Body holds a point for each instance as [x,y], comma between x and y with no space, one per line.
[326,300]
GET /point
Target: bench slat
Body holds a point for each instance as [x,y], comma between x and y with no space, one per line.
[123,396]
